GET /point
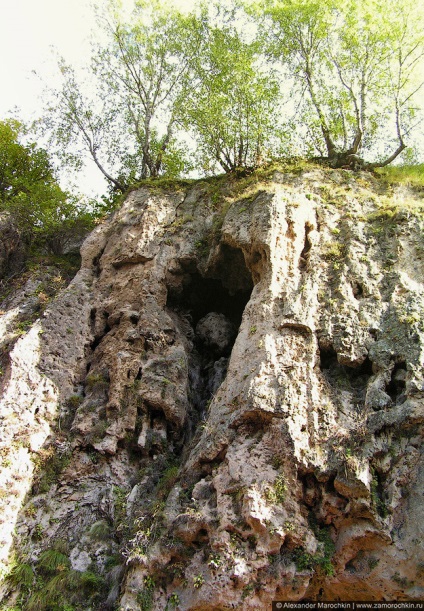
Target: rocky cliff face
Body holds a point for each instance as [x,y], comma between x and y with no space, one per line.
[225,405]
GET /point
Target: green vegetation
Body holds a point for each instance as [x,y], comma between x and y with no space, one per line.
[408,175]
[215,561]
[49,464]
[95,379]
[74,401]
[21,576]
[333,251]
[167,481]
[51,585]
[377,495]
[132,137]
[174,600]
[222,76]
[277,493]
[321,560]
[357,63]
[45,215]
[100,530]
[232,107]
[198,581]
[51,561]
[145,596]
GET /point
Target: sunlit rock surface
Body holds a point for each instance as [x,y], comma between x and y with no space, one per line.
[225,405]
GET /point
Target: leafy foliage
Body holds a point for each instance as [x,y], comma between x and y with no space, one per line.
[51,561]
[358,64]
[127,117]
[232,104]
[46,216]
[246,82]
[22,575]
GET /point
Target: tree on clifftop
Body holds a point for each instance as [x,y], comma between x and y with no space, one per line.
[232,105]
[245,81]
[127,117]
[358,62]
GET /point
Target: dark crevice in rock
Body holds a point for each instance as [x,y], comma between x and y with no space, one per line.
[210,308]
[343,378]
[154,433]
[378,494]
[358,290]
[96,263]
[134,318]
[303,261]
[328,357]
[93,312]
[396,387]
[311,489]
[104,331]
[230,268]
[197,296]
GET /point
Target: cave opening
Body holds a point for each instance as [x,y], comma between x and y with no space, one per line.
[212,305]
[199,295]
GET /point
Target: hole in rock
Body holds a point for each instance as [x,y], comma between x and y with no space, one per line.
[303,261]
[213,305]
[358,290]
[344,378]
[328,358]
[397,384]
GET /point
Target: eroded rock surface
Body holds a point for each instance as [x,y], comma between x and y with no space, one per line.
[225,405]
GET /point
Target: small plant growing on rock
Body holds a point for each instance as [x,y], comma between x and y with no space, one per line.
[198,581]
[38,532]
[21,576]
[100,530]
[167,481]
[215,561]
[51,561]
[74,401]
[248,590]
[94,379]
[97,432]
[174,600]
[145,596]
[277,493]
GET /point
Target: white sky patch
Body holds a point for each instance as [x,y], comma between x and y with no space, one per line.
[28,32]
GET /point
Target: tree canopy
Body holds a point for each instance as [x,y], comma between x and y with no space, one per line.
[231,106]
[357,62]
[233,86]
[127,117]
[41,210]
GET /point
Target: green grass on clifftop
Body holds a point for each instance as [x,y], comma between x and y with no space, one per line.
[408,175]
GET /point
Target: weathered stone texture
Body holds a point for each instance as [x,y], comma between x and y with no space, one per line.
[237,384]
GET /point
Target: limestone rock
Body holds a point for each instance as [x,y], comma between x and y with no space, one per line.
[227,401]
[216,331]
